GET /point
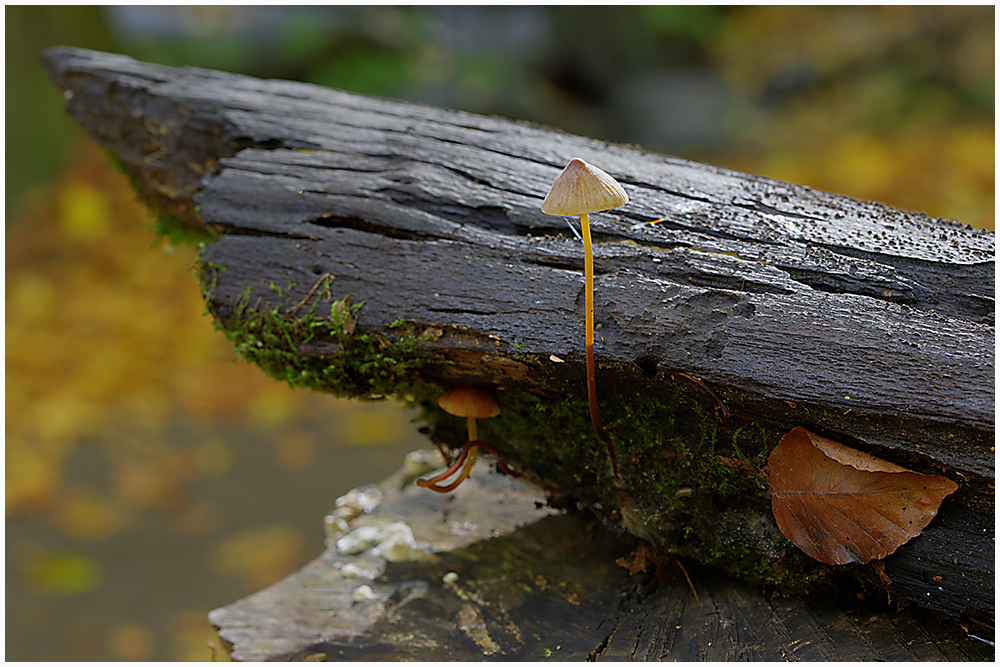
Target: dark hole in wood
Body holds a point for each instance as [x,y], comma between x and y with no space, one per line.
[648,366]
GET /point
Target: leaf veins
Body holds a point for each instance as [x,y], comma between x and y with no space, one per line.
[842,506]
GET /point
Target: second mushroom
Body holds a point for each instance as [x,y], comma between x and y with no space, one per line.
[472,403]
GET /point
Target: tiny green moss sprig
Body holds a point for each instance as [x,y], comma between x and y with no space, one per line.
[176,232]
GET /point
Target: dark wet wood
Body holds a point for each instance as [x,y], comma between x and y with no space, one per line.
[545,585]
[868,324]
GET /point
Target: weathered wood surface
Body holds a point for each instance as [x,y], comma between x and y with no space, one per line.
[868,324]
[774,291]
[531,583]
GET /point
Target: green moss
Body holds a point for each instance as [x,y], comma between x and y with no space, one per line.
[699,484]
[341,361]
[177,233]
[208,277]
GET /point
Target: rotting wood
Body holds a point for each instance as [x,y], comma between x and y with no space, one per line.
[788,306]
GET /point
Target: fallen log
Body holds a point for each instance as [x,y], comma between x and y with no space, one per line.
[369,247]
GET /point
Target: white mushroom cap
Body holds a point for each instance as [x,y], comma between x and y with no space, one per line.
[583,188]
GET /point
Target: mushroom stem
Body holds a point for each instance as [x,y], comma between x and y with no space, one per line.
[472,428]
[588,274]
[451,470]
[468,457]
[466,469]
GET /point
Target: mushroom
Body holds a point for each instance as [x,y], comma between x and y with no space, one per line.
[469,402]
[472,403]
[581,189]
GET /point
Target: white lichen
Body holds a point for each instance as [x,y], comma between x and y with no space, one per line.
[363,593]
[395,542]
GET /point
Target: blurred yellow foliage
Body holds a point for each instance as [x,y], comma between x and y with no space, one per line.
[31,473]
[62,573]
[909,170]
[260,556]
[108,345]
[84,213]
[376,424]
[274,405]
[130,642]
[88,515]
[758,41]
[106,334]
[862,101]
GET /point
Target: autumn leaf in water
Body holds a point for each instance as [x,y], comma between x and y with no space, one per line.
[842,506]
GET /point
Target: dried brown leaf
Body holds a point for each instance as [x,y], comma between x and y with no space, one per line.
[841,506]
[638,560]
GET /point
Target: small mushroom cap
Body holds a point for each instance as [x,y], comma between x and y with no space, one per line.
[468,402]
[583,188]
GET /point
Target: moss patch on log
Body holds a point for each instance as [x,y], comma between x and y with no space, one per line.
[699,483]
[342,361]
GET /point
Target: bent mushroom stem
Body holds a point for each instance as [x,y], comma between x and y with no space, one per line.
[432,483]
[470,461]
[499,459]
[468,458]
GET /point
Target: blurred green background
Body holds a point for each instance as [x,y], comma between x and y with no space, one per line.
[149,479]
